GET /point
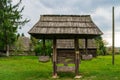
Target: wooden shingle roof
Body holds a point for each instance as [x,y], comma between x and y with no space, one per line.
[50,26]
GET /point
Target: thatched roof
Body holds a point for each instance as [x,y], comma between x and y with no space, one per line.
[50,26]
[69,43]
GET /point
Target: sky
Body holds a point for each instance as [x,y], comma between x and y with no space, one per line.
[100,11]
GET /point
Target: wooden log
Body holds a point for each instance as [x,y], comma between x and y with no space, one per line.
[113,36]
[66,69]
[86,46]
[77,54]
[44,46]
[54,57]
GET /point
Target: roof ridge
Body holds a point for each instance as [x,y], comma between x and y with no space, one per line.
[67,15]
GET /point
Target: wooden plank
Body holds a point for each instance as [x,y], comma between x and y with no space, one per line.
[77,59]
[65,56]
[66,60]
[54,57]
[44,46]
[66,69]
[86,46]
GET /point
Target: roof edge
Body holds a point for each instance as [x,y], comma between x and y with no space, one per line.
[65,15]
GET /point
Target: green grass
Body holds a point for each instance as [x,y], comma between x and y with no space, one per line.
[28,68]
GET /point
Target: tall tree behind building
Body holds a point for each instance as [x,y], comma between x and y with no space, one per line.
[10,20]
[101,48]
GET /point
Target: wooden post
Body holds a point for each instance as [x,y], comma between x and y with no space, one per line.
[54,59]
[86,45]
[44,46]
[77,58]
[113,31]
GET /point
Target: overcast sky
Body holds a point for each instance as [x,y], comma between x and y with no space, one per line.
[100,11]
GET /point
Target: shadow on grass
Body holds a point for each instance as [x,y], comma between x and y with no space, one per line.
[47,75]
[66,75]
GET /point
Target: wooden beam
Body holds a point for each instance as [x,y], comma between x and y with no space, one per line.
[77,54]
[86,46]
[113,31]
[54,59]
[44,46]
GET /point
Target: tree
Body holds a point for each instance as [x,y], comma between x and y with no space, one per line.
[1,46]
[22,35]
[19,45]
[34,41]
[101,49]
[37,46]
[48,50]
[10,20]
[18,35]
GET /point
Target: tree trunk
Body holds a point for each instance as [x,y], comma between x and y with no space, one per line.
[7,50]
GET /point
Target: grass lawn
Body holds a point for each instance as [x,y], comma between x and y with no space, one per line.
[28,68]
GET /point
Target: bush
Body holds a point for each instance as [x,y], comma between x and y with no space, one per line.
[40,51]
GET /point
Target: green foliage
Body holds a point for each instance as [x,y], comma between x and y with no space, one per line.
[18,35]
[28,68]
[48,50]
[116,50]
[10,20]
[22,46]
[101,49]
[19,45]
[38,48]
[1,46]
[23,35]
[35,45]
[34,41]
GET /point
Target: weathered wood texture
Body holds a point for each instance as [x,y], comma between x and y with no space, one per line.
[70,52]
[87,57]
[69,44]
[66,27]
[44,46]
[66,69]
[54,57]
[77,56]
[44,58]
[64,24]
[93,51]
[65,56]
[86,45]
[113,36]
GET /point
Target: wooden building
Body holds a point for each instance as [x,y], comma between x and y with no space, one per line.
[67,47]
[65,27]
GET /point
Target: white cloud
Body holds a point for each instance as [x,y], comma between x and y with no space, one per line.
[15,1]
[103,17]
[33,10]
[108,37]
[101,11]
[117,18]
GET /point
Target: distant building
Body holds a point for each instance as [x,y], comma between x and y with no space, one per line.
[22,46]
[66,46]
[25,43]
